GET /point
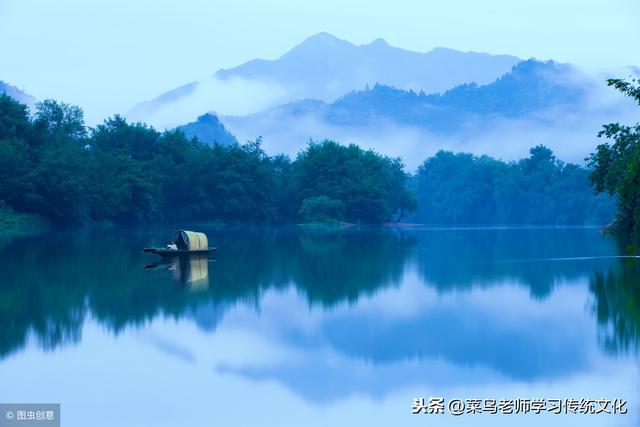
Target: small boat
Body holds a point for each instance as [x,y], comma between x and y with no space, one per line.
[184,243]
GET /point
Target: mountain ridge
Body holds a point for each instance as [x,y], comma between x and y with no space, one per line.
[326,67]
[17,94]
[537,102]
[530,86]
[333,54]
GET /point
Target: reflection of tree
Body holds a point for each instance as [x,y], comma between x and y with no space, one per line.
[338,266]
[617,305]
[51,284]
[536,258]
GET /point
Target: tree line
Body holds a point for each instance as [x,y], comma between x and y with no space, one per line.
[129,173]
[466,189]
[53,165]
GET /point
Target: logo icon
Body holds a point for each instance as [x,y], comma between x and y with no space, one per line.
[9,415]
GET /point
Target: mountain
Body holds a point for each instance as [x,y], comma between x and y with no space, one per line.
[17,94]
[145,110]
[323,67]
[207,128]
[529,87]
[534,103]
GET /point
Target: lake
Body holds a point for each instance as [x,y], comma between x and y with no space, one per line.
[289,327]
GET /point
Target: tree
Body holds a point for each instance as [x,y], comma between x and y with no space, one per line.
[466,189]
[16,171]
[616,166]
[371,187]
[14,119]
[58,122]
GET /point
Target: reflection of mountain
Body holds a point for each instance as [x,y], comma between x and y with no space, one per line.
[448,340]
[481,319]
[473,337]
[51,284]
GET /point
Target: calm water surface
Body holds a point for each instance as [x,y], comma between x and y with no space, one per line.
[289,328]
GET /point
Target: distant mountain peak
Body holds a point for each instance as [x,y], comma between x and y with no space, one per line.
[210,117]
[541,68]
[325,67]
[379,42]
[209,129]
[323,37]
[533,63]
[442,49]
[318,44]
[530,88]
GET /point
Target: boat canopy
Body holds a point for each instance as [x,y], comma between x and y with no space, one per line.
[190,240]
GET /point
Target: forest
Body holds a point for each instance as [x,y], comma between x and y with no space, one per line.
[466,189]
[52,165]
[55,167]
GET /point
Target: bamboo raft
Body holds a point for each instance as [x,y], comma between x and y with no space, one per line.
[184,243]
[175,252]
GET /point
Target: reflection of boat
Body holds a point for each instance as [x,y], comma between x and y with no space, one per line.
[189,270]
[184,243]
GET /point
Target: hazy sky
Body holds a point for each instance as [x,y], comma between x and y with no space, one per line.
[108,55]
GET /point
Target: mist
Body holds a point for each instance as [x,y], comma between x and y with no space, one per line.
[571,134]
[235,96]
[251,108]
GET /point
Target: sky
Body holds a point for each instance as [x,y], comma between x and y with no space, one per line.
[107,56]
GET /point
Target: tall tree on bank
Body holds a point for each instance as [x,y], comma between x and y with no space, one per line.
[616,166]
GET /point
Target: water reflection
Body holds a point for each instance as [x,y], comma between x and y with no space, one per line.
[387,298]
[191,271]
[51,283]
[416,335]
[535,258]
[616,293]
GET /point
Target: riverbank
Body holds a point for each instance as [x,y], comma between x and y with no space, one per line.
[13,222]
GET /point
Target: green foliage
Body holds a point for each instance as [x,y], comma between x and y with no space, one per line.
[467,189]
[129,173]
[630,88]
[14,119]
[58,123]
[616,166]
[371,187]
[48,297]
[321,209]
